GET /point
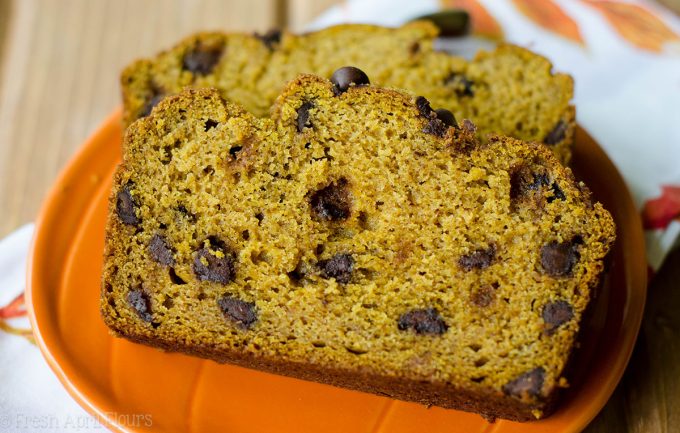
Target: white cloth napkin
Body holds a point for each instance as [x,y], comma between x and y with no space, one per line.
[625,96]
[31,397]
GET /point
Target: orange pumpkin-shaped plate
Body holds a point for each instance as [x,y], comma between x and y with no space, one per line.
[134,388]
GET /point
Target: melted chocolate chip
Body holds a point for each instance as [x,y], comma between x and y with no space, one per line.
[559,258]
[423,321]
[201,60]
[303,116]
[332,202]
[235,150]
[484,296]
[160,251]
[523,181]
[526,385]
[340,267]
[140,302]
[479,259]
[271,38]
[243,313]
[126,205]
[556,314]
[215,262]
[558,194]
[209,124]
[557,134]
[461,84]
[346,76]
[539,181]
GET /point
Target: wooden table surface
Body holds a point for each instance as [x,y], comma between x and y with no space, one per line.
[59,65]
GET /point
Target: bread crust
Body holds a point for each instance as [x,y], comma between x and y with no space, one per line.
[255,74]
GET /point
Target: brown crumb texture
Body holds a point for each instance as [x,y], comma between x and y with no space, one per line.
[361,250]
[511,91]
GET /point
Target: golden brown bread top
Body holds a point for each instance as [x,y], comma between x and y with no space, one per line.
[511,90]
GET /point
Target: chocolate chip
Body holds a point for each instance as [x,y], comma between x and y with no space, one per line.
[344,77]
[446,117]
[160,251]
[526,385]
[423,321]
[423,106]
[151,102]
[483,297]
[234,150]
[523,181]
[126,205]
[461,84]
[201,60]
[140,302]
[479,259]
[215,262]
[340,267]
[539,180]
[303,116]
[556,314]
[209,124]
[557,134]
[558,194]
[559,258]
[240,312]
[271,38]
[332,202]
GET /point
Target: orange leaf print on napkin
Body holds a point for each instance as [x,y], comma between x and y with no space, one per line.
[551,17]
[483,23]
[13,310]
[16,308]
[636,24]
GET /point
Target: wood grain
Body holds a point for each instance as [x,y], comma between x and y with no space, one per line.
[59,75]
[59,65]
[648,398]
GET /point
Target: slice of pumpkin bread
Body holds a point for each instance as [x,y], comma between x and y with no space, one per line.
[356,237]
[510,90]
